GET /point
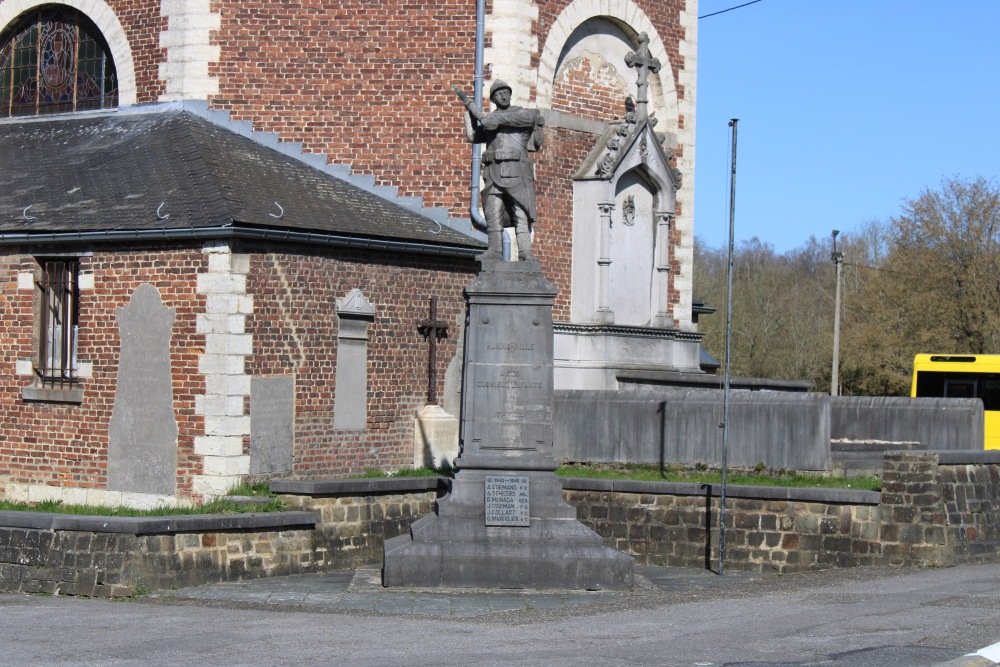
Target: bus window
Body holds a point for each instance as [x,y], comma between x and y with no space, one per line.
[960,389]
[962,376]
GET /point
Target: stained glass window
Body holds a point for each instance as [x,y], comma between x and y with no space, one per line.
[55,60]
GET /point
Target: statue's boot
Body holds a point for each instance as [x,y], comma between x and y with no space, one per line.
[524,246]
[495,251]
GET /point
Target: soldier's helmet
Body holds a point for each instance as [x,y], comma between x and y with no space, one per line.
[499,84]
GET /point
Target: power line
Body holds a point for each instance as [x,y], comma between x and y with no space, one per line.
[723,11]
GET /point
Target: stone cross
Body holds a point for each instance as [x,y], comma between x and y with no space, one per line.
[644,64]
[432,329]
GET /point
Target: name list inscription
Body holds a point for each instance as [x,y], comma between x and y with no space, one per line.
[507,501]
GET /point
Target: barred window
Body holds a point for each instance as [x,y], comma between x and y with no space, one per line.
[55,60]
[59,293]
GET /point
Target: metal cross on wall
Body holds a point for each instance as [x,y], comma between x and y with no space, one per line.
[432,329]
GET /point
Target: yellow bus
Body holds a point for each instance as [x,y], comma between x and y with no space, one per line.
[962,376]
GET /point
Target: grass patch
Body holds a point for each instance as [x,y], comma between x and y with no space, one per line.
[758,476]
[701,474]
[254,489]
[217,506]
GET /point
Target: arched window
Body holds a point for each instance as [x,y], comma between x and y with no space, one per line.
[55,60]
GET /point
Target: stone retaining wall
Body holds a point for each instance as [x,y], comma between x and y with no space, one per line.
[935,508]
[115,557]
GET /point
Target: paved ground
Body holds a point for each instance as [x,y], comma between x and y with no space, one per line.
[676,618]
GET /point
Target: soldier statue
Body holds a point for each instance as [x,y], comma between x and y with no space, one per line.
[510,133]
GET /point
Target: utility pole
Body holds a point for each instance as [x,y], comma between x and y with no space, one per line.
[838,260]
[729,350]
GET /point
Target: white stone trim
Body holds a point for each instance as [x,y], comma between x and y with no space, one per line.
[33,493]
[223,365]
[188,42]
[509,27]
[24,367]
[684,250]
[26,280]
[106,21]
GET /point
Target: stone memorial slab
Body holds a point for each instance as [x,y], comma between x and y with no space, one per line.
[507,501]
[142,435]
[350,403]
[272,420]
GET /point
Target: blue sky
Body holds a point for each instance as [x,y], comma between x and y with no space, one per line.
[846,108]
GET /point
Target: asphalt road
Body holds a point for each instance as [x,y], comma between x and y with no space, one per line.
[846,618]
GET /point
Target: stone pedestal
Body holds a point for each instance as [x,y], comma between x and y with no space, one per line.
[504,523]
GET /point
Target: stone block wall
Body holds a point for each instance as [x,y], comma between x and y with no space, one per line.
[114,557]
[935,509]
[343,525]
[352,530]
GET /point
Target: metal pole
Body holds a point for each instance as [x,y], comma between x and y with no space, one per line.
[478,221]
[838,260]
[729,336]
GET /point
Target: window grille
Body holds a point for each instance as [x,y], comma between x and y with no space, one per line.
[55,60]
[59,287]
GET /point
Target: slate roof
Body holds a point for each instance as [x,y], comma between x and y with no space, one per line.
[114,172]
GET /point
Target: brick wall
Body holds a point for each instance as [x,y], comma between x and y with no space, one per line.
[367,84]
[294,328]
[370,86]
[60,444]
[553,243]
[143,23]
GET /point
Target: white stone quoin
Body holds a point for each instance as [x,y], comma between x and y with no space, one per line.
[188,41]
[227,385]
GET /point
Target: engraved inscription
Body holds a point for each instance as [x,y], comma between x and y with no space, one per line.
[507,501]
[510,346]
[507,384]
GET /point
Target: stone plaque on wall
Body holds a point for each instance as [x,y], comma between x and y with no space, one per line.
[142,435]
[507,501]
[272,420]
[350,402]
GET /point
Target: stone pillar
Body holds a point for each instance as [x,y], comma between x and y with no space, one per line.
[663,245]
[605,314]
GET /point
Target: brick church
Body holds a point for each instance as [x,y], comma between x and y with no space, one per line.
[222,224]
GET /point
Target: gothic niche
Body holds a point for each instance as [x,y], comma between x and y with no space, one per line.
[625,197]
[624,200]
